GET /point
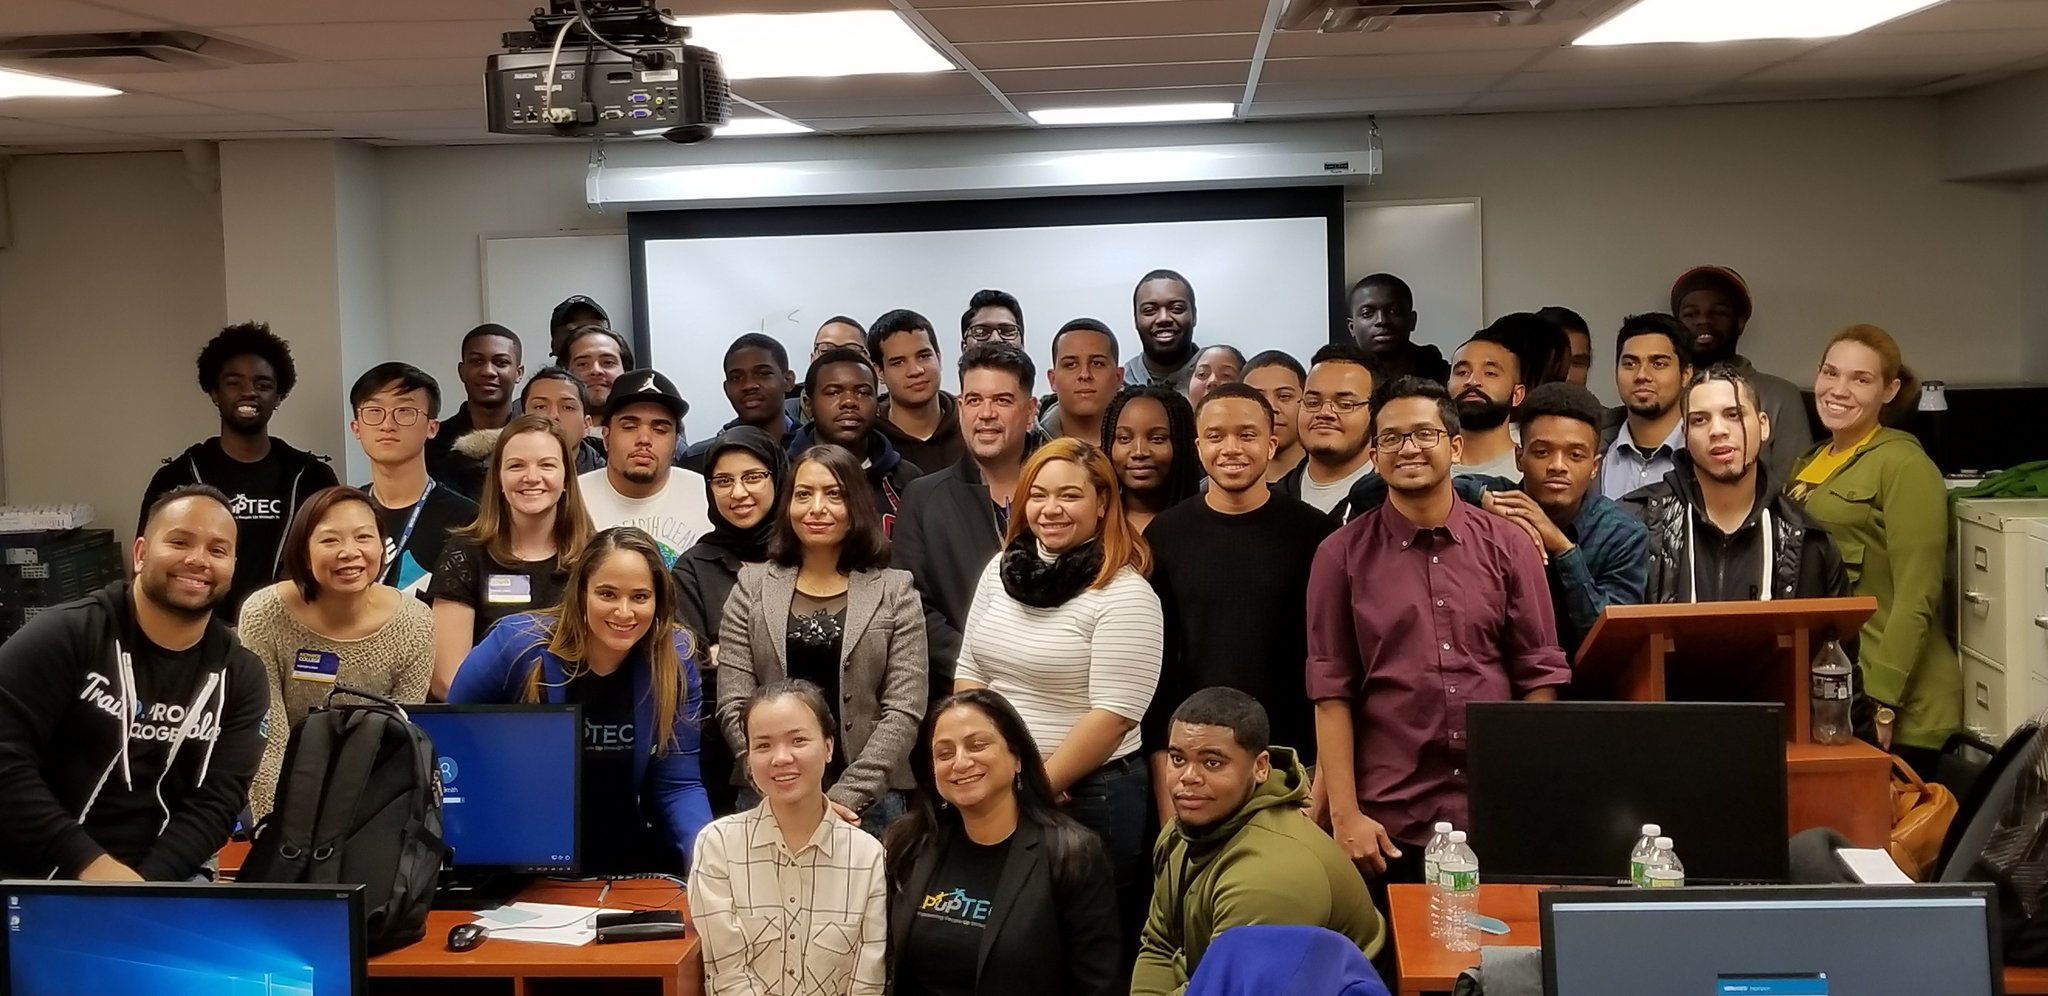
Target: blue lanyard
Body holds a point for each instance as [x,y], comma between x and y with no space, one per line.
[391,569]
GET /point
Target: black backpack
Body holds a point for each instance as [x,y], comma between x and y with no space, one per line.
[358,803]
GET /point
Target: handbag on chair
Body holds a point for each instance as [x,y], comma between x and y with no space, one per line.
[1921,814]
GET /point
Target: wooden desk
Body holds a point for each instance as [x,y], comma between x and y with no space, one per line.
[677,966]
[1425,967]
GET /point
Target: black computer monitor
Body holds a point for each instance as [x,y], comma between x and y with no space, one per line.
[1559,791]
[1772,941]
[164,939]
[509,783]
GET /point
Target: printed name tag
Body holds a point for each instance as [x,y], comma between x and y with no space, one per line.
[315,665]
[509,589]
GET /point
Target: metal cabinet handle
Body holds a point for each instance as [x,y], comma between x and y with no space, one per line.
[2041,621]
[1976,598]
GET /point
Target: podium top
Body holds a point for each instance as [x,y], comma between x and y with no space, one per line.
[1716,627]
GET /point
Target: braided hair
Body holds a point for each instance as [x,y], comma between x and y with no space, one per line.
[1184,477]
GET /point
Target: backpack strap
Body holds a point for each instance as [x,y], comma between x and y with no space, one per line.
[299,797]
[362,740]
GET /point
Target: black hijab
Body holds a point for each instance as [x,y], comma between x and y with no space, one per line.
[749,544]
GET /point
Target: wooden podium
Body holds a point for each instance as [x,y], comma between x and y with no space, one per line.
[1749,652]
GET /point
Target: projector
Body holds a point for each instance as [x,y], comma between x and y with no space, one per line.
[605,67]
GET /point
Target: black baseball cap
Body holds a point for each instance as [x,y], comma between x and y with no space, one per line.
[576,302]
[645,386]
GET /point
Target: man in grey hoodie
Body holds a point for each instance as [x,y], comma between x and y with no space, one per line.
[132,720]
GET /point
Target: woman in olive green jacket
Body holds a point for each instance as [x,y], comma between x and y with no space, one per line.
[1883,502]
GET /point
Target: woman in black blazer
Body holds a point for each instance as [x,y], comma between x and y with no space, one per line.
[992,890]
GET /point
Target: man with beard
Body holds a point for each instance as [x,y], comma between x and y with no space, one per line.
[1714,304]
[952,521]
[1640,439]
[247,372]
[1231,569]
[1336,420]
[637,486]
[490,371]
[1281,379]
[132,720]
[1382,322]
[1721,530]
[1164,309]
[1486,382]
[598,356]
[920,419]
[840,387]
[992,316]
[1416,608]
[1595,554]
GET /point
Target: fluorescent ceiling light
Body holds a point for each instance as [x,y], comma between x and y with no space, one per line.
[1135,113]
[1652,21]
[19,84]
[842,43]
[743,127]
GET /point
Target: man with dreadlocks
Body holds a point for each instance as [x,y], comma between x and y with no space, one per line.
[1720,529]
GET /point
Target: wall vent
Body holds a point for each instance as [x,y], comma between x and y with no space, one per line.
[1339,16]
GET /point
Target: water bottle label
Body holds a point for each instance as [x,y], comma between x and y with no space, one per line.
[1635,872]
[1461,879]
[1831,688]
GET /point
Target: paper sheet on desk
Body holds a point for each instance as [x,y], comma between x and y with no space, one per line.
[1872,866]
[542,923]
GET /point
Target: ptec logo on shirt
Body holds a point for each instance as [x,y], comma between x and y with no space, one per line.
[245,507]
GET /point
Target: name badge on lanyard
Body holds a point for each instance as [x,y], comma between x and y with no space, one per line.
[316,665]
[508,589]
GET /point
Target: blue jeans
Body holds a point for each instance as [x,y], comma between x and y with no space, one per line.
[1114,801]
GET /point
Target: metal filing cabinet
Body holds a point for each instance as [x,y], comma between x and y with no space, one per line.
[2002,610]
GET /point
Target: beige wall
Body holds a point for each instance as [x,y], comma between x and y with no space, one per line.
[112,283]
[2034,282]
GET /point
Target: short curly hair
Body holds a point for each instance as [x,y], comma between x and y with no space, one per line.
[247,339]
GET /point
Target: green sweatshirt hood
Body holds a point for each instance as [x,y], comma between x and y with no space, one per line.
[1287,785]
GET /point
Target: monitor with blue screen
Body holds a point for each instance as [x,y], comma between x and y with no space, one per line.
[508,785]
[66,938]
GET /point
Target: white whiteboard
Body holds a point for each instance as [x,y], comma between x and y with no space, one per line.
[1435,247]
[1259,284]
[525,276]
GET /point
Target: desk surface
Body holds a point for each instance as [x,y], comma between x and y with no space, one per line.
[504,956]
[1427,968]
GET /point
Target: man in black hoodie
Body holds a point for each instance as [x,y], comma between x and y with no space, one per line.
[841,387]
[248,372]
[1382,321]
[131,721]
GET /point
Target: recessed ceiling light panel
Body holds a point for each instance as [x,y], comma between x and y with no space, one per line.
[1135,113]
[1652,21]
[840,43]
[19,84]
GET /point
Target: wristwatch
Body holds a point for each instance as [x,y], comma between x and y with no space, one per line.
[1886,715]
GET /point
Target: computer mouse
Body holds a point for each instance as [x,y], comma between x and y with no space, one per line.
[464,936]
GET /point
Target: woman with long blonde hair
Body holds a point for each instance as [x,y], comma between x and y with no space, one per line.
[613,647]
[1065,626]
[530,526]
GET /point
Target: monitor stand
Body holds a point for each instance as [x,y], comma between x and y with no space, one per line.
[473,890]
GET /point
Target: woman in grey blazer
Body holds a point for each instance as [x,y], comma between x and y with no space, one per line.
[826,608]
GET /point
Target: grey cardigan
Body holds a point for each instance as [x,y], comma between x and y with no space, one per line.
[882,670]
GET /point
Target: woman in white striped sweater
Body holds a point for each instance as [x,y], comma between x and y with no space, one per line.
[1065,626]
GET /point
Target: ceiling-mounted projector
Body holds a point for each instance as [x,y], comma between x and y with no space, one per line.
[606,67]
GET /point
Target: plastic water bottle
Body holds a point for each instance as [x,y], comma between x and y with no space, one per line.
[1664,870]
[1432,868]
[1646,845]
[1830,695]
[1459,873]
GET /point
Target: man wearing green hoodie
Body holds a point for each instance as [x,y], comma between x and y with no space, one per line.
[1239,850]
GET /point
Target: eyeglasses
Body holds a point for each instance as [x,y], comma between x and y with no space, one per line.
[374,415]
[1002,333]
[752,479]
[1342,406]
[1425,439]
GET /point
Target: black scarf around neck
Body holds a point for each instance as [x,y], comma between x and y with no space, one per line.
[1046,584]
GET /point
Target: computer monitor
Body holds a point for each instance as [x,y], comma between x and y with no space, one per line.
[1559,791]
[1772,941]
[509,783]
[66,938]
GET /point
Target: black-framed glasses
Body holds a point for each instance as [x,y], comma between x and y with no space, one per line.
[1004,332]
[1342,406]
[752,479]
[1425,439]
[374,415]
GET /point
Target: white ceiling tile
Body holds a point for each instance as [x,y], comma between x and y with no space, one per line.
[915,122]
[980,103]
[1113,77]
[213,13]
[2003,46]
[17,129]
[1536,100]
[1641,57]
[699,8]
[462,71]
[241,79]
[38,17]
[889,85]
[1405,41]
[1419,86]
[1431,104]
[126,105]
[372,122]
[1119,98]
[1610,78]
[1976,15]
[369,41]
[1147,24]
[1371,67]
[295,102]
[1109,52]
[1904,71]
[196,126]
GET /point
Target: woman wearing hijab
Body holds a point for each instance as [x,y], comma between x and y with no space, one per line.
[743,471]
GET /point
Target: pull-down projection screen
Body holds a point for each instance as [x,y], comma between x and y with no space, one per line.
[1266,266]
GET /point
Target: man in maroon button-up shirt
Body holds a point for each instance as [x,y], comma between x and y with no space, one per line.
[1414,609]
